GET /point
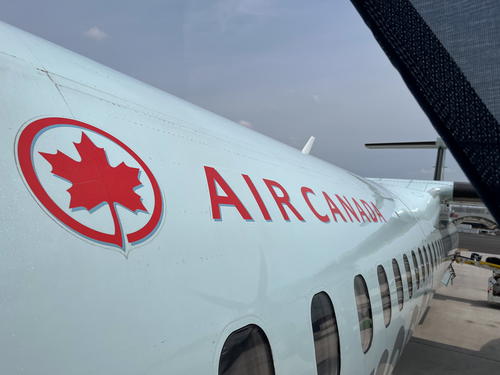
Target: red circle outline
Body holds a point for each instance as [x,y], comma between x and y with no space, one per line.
[24,157]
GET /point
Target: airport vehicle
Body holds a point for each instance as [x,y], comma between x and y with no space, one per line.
[493,260]
[494,289]
[491,263]
[475,256]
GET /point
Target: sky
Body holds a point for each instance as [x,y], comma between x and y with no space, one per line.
[288,69]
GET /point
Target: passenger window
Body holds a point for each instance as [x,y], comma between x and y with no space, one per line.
[364,312]
[399,283]
[385,294]
[326,337]
[246,352]
[427,267]
[409,279]
[431,256]
[415,266]
[436,258]
[422,266]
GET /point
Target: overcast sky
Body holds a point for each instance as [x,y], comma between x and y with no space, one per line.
[286,68]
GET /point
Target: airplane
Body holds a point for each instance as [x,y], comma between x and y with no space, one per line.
[144,235]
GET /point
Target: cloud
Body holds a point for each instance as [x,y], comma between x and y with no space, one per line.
[95,33]
[225,14]
[246,124]
[426,171]
[232,8]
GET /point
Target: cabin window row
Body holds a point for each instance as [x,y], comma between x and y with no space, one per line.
[247,350]
[430,256]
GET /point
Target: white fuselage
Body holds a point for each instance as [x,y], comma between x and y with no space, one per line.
[166,305]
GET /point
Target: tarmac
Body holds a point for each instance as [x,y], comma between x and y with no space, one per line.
[480,243]
[460,333]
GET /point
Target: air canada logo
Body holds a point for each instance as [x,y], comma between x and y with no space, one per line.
[90,182]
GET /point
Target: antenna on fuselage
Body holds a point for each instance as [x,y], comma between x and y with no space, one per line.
[437,144]
[308,146]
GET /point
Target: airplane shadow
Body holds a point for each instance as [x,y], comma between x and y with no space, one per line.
[471,302]
[429,357]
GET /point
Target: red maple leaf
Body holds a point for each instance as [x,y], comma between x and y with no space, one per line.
[95,182]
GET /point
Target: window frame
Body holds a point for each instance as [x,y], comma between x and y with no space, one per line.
[431,257]
[325,300]
[399,284]
[262,335]
[415,267]
[434,245]
[365,347]
[386,307]
[422,265]
[409,278]
[433,252]
[427,265]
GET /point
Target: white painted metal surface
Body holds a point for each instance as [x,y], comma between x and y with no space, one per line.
[72,306]
[308,146]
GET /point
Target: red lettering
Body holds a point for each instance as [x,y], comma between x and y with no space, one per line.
[379,214]
[305,191]
[333,208]
[230,198]
[370,211]
[348,208]
[362,213]
[282,201]
[257,197]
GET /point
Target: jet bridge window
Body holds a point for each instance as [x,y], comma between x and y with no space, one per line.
[364,312]
[246,352]
[422,266]
[326,337]
[415,266]
[399,283]
[409,279]
[385,294]
[427,267]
